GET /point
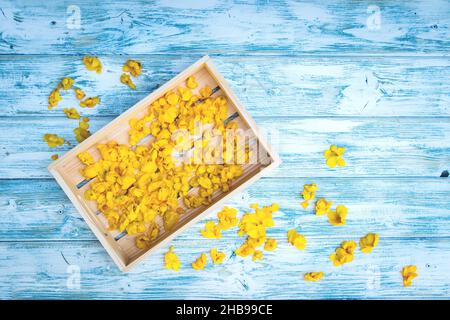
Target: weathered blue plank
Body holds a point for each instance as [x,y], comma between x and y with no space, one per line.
[41,270]
[395,146]
[225,27]
[279,86]
[39,209]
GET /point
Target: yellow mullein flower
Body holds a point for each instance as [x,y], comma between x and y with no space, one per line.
[313,276]
[171,260]
[205,92]
[337,217]
[323,206]
[133,67]
[257,255]
[227,218]
[309,191]
[296,239]
[92,64]
[211,231]
[245,250]
[271,244]
[90,102]
[71,113]
[217,257]
[82,132]
[200,263]
[304,204]
[408,274]
[368,242]
[142,242]
[334,156]
[343,254]
[86,158]
[79,94]
[54,157]
[67,83]
[54,98]
[190,82]
[173,98]
[125,79]
[53,140]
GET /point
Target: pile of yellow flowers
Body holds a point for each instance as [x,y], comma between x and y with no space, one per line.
[135,185]
[254,226]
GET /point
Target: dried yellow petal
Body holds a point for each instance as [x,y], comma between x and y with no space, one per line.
[71,113]
[90,102]
[368,242]
[92,64]
[53,140]
[171,260]
[408,273]
[133,67]
[125,79]
[200,263]
[313,276]
[217,257]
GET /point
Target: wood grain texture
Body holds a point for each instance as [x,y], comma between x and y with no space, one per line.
[376,146]
[225,27]
[312,73]
[40,269]
[396,207]
[279,86]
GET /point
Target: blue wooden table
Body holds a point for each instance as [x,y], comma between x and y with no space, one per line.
[372,76]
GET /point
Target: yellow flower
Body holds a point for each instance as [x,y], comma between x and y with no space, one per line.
[227,218]
[206,91]
[79,94]
[86,158]
[334,156]
[92,64]
[53,140]
[171,260]
[132,66]
[313,276]
[337,218]
[216,256]
[323,206]
[245,250]
[54,98]
[368,242]
[190,82]
[54,157]
[125,79]
[200,263]
[82,132]
[408,274]
[343,254]
[257,255]
[67,83]
[71,113]
[296,239]
[211,231]
[304,204]
[309,191]
[271,244]
[90,102]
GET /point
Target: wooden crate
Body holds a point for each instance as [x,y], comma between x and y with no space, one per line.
[121,247]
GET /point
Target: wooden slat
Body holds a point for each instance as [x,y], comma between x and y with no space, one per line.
[41,271]
[411,146]
[279,86]
[218,27]
[407,207]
